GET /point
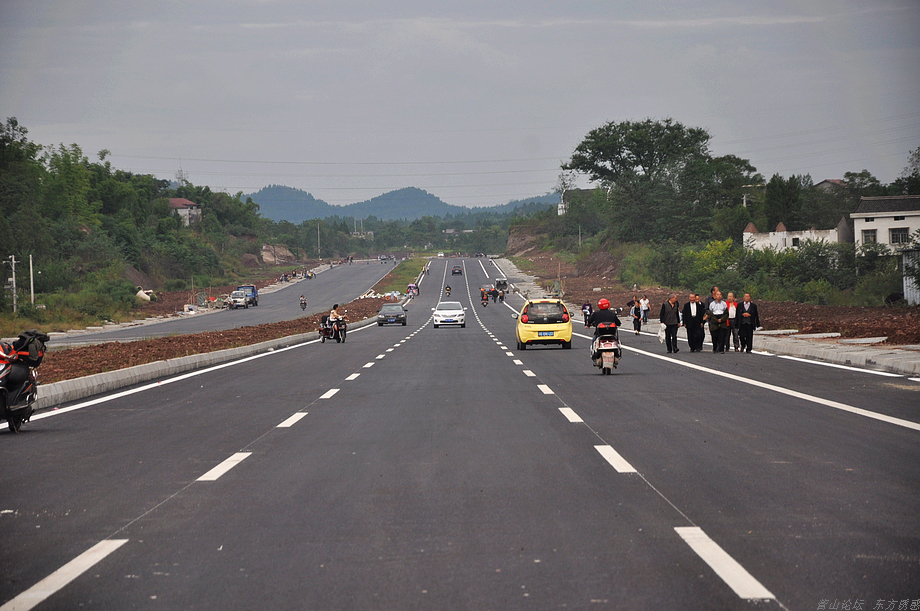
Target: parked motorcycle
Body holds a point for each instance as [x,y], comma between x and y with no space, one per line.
[605,349]
[332,330]
[18,379]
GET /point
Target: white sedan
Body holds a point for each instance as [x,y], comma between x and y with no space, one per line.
[449,313]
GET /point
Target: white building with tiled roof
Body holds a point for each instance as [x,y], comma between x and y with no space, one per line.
[887,220]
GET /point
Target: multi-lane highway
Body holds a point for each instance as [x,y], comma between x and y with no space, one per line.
[340,284]
[421,468]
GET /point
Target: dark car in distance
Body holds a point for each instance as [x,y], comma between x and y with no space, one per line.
[456,270]
[391,314]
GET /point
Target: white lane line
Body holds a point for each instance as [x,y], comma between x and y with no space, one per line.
[292,420]
[509,354]
[529,373]
[616,461]
[329,393]
[353,376]
[836,366]
[368,365]
[518,362]
[63,576]
[223,467]
[546,390]
[570,414]
[914,379]
[783,391]
[389,350]
[726,567]
[380,356]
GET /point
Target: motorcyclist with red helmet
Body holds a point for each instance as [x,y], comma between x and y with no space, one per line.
[603,314]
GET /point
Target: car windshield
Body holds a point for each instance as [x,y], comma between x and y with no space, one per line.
[392,309]
[545,310]
[450,305]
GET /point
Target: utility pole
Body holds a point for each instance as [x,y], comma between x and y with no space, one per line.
[31,281]
[318,251]
[13,265]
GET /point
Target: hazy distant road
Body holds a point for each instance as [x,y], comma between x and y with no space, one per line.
[340,284]
[421,468]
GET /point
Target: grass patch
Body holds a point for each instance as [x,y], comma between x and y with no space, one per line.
[403,274]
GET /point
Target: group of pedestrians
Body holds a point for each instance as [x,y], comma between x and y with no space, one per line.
[731,324]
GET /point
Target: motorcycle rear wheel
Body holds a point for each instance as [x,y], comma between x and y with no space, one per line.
[15,423]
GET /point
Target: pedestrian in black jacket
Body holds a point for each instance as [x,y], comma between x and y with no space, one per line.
[693,320]
[746,320]
[670,318]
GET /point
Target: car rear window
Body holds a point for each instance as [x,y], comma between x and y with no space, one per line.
[545,312]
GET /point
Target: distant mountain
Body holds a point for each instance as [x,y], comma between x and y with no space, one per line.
[281,203]
[287,204]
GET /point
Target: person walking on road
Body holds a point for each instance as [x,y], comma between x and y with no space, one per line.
[646,304]
[635,313]
[693,316]
[717,315]
[586,311]
[670,318]
[746,320]
[731,338]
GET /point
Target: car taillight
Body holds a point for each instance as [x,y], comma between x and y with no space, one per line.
[565,318]
[524,318]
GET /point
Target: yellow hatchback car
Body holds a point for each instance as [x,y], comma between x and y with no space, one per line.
[543,321]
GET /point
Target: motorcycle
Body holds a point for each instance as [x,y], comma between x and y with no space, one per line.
[18,379]
[303,304]
[605,349]
[336,330]
[447,291]
[485,299]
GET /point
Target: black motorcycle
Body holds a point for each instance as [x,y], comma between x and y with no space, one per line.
[336,330]
[18,380]
[303,304]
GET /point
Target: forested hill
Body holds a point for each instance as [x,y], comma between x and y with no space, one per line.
[281,203]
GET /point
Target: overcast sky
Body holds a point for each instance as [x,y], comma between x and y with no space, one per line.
[476,102]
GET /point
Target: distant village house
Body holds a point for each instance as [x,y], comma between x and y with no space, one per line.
[187,209]
[889,220]
[781,239]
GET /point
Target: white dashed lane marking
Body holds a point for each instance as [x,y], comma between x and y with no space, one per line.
[215,473]
[63,576]
[353,376]
[546,390]
[329,393]
[616,461]
[292,420]
[529,373]
[570,414]
[726,567]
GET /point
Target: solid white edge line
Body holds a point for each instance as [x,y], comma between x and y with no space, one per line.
[223,467]
[329,393]
[292,420]
[914,379]
[838,366]
[783,391]
[63,576]
[727,568]
[616,461]
[546,390]
[570,414]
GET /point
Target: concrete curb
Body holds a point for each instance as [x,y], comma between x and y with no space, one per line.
[66,391]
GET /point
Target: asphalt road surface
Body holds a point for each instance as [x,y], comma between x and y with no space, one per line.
[421,468]
[341,284]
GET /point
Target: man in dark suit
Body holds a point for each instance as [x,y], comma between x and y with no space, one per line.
[693,321]
[746,320]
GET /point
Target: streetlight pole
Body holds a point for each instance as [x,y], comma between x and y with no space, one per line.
[31,281]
